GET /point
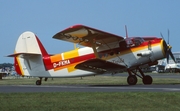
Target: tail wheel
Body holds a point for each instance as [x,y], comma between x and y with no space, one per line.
[132,80]
[147,80]
[38,82]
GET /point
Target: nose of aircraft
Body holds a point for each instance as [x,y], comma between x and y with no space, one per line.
[167,51]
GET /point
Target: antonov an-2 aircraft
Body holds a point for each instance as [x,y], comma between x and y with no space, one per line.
[103,53]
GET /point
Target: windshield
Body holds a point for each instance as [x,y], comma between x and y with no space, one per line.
[136,41]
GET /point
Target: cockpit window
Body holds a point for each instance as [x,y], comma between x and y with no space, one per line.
[131,42]
[137,41]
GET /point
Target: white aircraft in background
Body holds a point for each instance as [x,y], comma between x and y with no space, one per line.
[103,53]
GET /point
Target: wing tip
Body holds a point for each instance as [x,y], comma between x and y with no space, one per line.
[76,26]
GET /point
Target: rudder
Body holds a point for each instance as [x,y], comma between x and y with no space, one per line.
[28,56]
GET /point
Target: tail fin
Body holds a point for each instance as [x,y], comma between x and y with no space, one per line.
[29,53]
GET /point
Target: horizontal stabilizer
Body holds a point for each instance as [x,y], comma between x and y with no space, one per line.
[23,54]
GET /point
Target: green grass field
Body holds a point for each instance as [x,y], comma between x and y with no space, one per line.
[89,101]
[96,101]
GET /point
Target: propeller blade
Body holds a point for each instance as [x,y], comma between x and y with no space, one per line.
[168,49]
[167,56]
[162,36]
[126,31]
[168,36]
[172,56]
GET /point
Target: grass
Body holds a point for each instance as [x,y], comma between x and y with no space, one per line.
[91,80]
[89,101]
[67,81]
[97,101]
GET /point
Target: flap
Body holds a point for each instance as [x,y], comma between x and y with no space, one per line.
[99,66]
[85,35]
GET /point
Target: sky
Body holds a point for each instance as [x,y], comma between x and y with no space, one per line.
[47,17]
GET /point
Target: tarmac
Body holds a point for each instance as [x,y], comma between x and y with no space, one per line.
[95,88]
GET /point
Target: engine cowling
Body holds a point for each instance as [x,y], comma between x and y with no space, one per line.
[145,53]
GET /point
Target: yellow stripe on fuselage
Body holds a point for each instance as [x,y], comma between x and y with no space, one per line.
[20,66]
[141,48]
[71,54]
[66,55]
[69,67]
[135,49]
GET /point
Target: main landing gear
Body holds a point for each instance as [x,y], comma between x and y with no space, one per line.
[38,82]
[132,79]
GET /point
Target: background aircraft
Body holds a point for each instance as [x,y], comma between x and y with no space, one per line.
[103,53]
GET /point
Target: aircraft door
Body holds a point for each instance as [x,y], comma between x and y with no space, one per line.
[122,45]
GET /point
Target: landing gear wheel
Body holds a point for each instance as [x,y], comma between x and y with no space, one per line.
[132,80]
[147,80]
[38,82]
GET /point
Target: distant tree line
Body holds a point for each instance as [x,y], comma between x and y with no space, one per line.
[6,65]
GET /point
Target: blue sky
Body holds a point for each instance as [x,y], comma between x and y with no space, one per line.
[47,17]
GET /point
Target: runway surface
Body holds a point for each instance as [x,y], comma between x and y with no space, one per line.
[92,88]
[95,88]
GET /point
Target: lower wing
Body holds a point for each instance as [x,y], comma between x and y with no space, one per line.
[99,66]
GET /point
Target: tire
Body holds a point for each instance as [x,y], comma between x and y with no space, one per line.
[132,80]
[147,80]
[38,82]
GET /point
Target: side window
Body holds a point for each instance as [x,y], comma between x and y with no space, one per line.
[130,43]
[122,45]
[137,42]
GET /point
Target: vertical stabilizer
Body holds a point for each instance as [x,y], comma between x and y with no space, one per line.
[29,53]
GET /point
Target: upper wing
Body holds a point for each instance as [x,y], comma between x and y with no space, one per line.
[84,35]
[99,66]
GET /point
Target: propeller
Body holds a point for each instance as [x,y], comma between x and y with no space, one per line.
[168,49]
[126,31]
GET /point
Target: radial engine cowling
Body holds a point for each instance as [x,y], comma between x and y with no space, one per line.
[145,53]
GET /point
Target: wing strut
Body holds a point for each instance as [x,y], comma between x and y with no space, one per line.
[94,48]
[115,53]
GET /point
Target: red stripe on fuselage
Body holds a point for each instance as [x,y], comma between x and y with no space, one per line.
[45,55]
[65,64]
[152,41]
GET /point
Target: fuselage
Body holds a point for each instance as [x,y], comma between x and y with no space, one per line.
[63,64]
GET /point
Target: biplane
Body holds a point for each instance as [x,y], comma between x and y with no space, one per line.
[102,53]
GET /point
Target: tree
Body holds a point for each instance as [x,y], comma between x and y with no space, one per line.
[6,65]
